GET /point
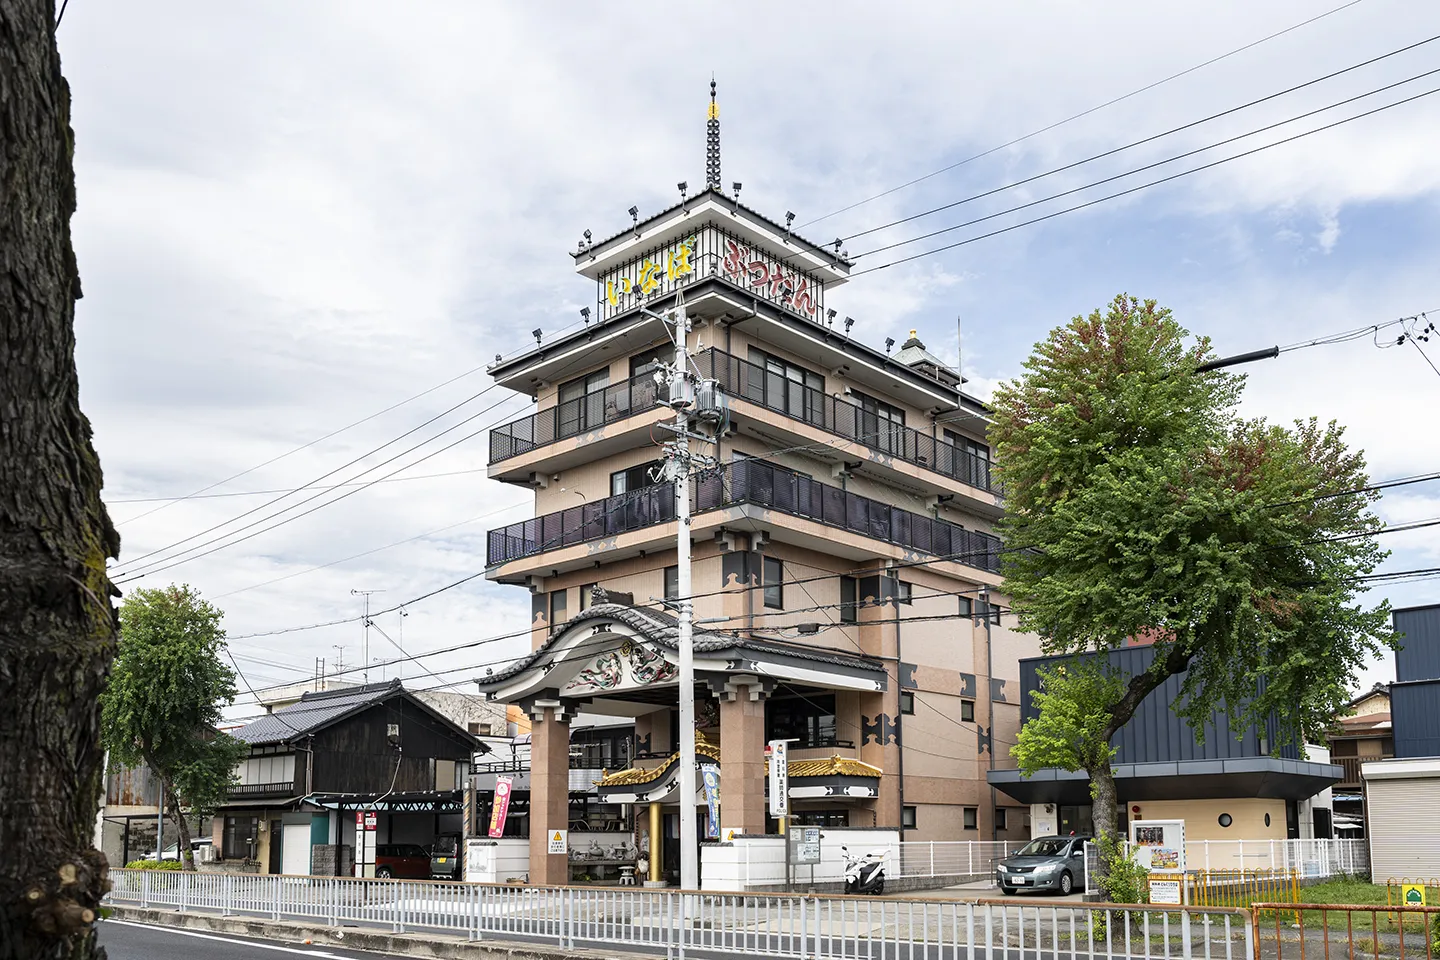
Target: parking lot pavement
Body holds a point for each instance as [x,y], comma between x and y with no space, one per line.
[980,890]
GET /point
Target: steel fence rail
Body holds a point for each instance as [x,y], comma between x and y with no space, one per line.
[674,922]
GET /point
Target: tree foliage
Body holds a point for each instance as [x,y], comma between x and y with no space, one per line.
[166,693]
[1068,732]
[1141,506]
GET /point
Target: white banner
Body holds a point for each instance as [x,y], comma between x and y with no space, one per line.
[779,780]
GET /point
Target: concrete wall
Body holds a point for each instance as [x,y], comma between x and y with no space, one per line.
[758,863]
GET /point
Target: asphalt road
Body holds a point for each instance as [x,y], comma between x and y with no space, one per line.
[124,940]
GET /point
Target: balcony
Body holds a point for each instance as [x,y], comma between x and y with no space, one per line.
[748,382]
[743,380]
[746,482]
[573,417]
[249,791]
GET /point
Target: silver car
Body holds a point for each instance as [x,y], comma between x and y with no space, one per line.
[1045,863]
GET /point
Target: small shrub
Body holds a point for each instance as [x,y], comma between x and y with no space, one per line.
[154,865]
[1435,932]
[1124,880]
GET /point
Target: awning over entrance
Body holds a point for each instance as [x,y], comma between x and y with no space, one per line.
[618,659]
[1263,777]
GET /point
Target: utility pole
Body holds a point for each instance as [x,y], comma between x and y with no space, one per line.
[685,639]
[989,701]
[365,634]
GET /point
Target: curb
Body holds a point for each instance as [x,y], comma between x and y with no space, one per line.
[434,946]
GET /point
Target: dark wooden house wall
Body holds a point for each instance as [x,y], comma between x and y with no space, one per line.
[355,755]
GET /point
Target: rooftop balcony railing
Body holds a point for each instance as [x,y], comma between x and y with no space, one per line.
[746,482]
[747,381]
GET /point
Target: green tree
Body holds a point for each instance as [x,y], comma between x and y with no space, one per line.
[1140,506]
[166,692]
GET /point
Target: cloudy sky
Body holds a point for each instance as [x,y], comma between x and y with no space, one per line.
[294,216]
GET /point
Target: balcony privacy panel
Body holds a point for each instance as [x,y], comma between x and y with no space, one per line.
[747,482]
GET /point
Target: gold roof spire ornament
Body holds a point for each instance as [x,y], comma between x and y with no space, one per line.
[712,142]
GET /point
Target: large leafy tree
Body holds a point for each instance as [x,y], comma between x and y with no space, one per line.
[167,690]
[1141,507]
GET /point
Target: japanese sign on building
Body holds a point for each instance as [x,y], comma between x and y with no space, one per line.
[779,779]
[709,252]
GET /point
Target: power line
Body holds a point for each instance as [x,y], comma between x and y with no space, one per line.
[305,446]
[175,560]
[1153,137]
[257,493]
[1143,186]
[1084,113]
[1161,163]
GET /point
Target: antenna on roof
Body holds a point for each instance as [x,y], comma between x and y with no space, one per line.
[712,142]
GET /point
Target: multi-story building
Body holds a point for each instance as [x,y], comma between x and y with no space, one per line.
[843,560]
[1362,733]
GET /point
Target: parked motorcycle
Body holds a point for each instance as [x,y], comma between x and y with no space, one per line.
[864,875]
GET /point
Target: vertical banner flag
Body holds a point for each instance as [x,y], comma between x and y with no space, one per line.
[711,775]
[501,807]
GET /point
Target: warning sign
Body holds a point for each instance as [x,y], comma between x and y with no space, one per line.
[559,842]
[1412,894]
[727,834]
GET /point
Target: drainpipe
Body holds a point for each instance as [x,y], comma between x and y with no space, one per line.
[990,703]
[899,717]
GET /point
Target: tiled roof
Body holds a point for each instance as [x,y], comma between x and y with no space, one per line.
[314,711]
[661,628]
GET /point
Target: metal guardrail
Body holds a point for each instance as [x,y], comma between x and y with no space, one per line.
[745,482]
[673,922]
[573,417]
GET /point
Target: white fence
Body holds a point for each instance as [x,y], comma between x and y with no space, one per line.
[672,922]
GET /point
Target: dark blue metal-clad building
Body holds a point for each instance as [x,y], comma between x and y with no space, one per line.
[1415,695]
[1419,655]
[1159,757]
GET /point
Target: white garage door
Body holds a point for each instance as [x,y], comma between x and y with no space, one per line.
[295,849]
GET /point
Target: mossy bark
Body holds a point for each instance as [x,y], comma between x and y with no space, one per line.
[57,623]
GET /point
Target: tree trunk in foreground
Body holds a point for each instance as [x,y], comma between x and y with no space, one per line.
[183,853]
[57,625]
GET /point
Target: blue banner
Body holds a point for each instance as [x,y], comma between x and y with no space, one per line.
[710,774]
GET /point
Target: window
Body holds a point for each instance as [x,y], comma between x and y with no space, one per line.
[882,425]
[645,363]
[809,720]
[238,840]
[479,729]
[582,403]
[967,710]
[634,478]
[999,818]
[969,820]
[672,583]
[907,703]
[586,595]
[558,612]
[773,577]
[786,387]
[967,607]
[907,818]
[849,600]
[902,592]
[973,460]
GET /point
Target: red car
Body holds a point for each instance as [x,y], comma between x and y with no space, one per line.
[405,861]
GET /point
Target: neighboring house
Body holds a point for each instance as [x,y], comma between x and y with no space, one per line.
[838,466]
[1363,733]
[126,824]
[1236,785]
[1402,795]
[313,763]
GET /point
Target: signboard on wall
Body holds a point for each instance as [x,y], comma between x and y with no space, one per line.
[1159,845]
[708,252]
[558,842]
[779,779]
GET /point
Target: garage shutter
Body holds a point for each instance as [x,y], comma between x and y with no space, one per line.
[1404,828]
[295,851]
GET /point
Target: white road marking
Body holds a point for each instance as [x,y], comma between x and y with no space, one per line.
[238,942]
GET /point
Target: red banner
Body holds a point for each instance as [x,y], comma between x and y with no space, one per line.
[501,807]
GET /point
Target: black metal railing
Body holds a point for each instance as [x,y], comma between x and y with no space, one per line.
[754,482]
[262,789]
[747,381]
[771,389]
[573,417]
